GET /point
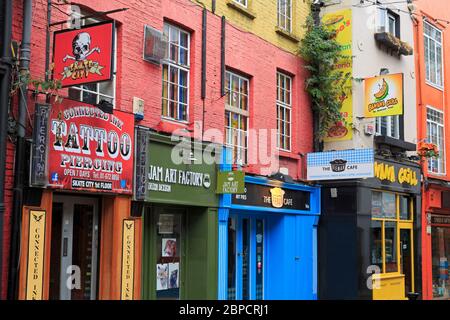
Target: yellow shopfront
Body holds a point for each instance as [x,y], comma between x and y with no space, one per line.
[392,253]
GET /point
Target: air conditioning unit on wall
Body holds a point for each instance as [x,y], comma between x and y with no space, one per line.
[155,45]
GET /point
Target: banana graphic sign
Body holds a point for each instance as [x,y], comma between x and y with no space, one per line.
[383,96]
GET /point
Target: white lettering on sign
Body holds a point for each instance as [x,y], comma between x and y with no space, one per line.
[174,176]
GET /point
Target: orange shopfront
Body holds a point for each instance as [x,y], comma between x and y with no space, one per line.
[78,240]
[436,240]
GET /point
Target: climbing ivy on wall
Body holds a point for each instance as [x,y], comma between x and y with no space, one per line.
[324,84]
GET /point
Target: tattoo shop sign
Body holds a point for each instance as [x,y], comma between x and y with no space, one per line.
[89,149]
[84,55]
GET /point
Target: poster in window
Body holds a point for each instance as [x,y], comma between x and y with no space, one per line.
[389,205]
[165,224]
[174,274]
[84,55]
[162,276]
[376,205]
[169,247]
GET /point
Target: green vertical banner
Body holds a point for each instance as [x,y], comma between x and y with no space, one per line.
[341,23]
[230,182]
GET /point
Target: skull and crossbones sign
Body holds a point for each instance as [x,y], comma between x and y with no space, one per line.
[81,47]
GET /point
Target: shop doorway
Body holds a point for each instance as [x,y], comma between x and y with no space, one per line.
[74,251]
[246,258]
[169,233]
[406,258]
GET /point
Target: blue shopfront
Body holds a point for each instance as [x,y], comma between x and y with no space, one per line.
[268,241]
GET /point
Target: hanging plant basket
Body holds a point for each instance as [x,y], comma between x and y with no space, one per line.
[389,41]
[428,150]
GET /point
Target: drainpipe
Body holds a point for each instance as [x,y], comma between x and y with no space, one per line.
[24,67]
[5,73]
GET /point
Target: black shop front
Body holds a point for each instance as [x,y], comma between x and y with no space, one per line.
[369,234]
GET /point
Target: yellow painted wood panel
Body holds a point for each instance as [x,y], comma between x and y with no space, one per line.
[391,288]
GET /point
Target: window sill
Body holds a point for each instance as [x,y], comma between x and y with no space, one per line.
[288,35]
[245,11]
[288,154]
[175,121]
[436,175]
[431,84]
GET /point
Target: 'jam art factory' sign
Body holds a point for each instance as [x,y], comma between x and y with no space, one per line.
[89,149]
[84,55]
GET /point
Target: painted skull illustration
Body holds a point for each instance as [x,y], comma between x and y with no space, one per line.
[81,47]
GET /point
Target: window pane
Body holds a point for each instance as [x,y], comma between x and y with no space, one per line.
[391,246]
[232,244]
[389,205]
[168,253]
[405,208]
[74,93]
[391,25]
[440,258]
[377,246]
[377,205]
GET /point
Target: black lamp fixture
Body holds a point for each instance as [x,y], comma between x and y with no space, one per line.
[282,177]
[105,106]
[384,71]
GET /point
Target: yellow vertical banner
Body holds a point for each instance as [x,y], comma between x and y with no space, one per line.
[341,23]
[127,279]
[36,250]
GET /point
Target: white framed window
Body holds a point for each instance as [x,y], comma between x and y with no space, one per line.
[388,21]
[433,54]
[391,23]
[243,3]
[236,116]
[388,126]
[435,135]
[285,15]
[175,75]
[93,93]
[284,111]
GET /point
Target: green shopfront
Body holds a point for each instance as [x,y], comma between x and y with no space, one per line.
[175,192]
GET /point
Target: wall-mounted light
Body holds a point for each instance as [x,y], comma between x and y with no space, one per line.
[105,106]
[384,71]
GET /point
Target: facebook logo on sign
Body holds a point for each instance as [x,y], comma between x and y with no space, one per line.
[54,177]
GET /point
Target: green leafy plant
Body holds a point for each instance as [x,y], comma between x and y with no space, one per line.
[37,85]
[325,85]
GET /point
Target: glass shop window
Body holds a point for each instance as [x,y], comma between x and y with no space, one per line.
[391,213]
[440,247]
[168,249]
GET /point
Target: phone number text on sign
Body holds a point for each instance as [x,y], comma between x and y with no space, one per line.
[90,149]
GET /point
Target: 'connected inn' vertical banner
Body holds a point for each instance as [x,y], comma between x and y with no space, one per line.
[127,283]
[341,23]
[36,247]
